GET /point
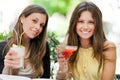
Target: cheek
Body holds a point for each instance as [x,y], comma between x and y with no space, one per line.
[25,28]
[26,25]
[93,29]
[40,31]
[77,28]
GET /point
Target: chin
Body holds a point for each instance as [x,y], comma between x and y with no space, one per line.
[32,37]
[85,37]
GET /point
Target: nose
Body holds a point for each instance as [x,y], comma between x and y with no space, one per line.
[37,26]
[85,25]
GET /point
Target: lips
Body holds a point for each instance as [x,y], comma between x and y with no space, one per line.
[35,32]
[85,32]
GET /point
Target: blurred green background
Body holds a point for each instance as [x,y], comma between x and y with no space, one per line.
[59,14]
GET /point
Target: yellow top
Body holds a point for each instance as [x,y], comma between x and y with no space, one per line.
[87,66]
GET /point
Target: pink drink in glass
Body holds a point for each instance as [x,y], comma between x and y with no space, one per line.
[69,50]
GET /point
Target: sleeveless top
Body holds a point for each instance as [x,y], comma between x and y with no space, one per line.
[26,71]
[87,66]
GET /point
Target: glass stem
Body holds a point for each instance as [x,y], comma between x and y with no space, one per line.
[65,66]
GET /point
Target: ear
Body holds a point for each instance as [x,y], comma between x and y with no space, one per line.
[22,18]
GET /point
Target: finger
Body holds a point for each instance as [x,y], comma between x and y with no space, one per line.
[61,56]
[11,56]
[12,52]
[11,63]
[61,61]
[58,50]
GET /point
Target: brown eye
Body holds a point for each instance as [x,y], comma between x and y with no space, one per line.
[34,21]
[80,21]
[42,25]
[91,22]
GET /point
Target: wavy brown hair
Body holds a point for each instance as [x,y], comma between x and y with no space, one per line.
[37,46]
[98,38]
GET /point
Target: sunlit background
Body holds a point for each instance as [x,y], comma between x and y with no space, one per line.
[60,12]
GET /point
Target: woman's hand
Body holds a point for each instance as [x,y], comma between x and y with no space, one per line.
[62,73]
[11,59]
[61,60]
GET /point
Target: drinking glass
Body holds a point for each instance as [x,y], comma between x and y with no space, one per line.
[67,51]
[20,51]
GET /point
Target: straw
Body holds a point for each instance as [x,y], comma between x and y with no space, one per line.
[16,34]
[21,37]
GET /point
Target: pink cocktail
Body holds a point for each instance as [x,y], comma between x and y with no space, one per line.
[69,50]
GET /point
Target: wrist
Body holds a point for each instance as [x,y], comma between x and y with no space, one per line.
[62,75]
[6,70]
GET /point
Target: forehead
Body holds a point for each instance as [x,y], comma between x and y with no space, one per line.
[37,15]
[86,14]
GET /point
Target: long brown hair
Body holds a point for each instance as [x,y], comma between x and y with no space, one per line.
[96,40]
[37,46]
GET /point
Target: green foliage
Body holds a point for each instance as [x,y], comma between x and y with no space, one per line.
[4,36]
[52,6]
[53,41]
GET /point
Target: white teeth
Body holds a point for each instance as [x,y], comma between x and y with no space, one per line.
[85,31]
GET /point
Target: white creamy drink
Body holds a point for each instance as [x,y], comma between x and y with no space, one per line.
[20,50]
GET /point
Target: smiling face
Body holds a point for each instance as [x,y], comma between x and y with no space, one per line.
[85,26]
[33,24]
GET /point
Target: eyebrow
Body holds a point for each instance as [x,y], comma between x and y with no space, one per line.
[89,19]
[36,18]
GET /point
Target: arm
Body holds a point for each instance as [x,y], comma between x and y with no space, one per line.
[46,62]
[11,60]
[1,62]
[6,70]
[109,63]
[62,73]
[2,44]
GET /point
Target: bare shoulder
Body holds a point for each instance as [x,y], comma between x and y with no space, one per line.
[109,44]
[109,50]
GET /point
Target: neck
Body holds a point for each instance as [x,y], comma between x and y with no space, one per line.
[26,41]
[26,44]
[85,44]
